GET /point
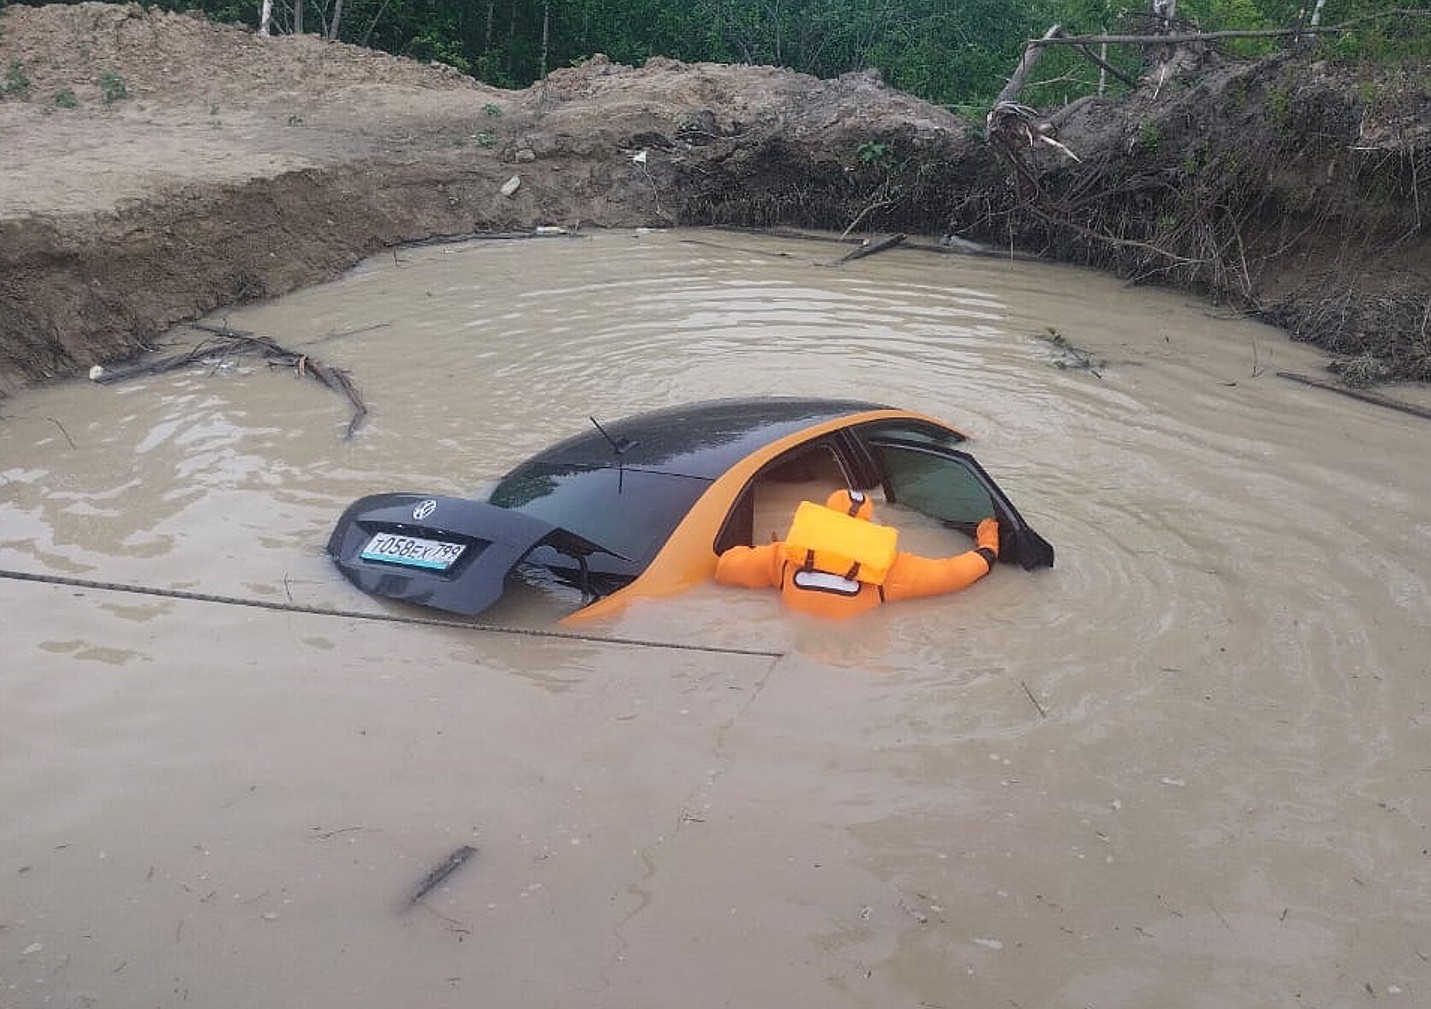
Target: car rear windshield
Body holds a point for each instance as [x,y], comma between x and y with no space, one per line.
[629,511]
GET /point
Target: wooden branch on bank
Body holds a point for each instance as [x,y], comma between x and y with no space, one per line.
[1241,33]
[1026,63]
[545,231]
[1104,65]
[1362,394]
[870,248]
[1016,126]
[1055,36]
[1013,123]
[1180,37]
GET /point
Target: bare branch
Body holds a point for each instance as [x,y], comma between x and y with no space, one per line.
[1248,33]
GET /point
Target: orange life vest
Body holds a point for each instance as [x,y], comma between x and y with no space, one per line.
[833,542]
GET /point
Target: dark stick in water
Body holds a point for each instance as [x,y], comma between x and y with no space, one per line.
[446,868]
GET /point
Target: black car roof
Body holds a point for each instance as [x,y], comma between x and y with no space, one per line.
[697,439]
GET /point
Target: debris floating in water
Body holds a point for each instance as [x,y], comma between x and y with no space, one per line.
[444,869]
[232,342]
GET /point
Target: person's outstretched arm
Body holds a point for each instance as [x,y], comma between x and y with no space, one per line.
[751,567]
[912,576]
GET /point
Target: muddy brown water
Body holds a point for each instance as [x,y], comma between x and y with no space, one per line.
[1189,766]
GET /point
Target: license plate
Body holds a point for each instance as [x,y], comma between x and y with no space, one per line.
[412,551]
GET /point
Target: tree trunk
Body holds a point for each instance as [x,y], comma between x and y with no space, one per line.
[373,24]
[297,17]
[337,21]
[1021,72]
[265,17]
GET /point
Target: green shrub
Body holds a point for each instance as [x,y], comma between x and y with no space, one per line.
[66,99]
[1279,105]
[876,153]
[17,83]
[111,87]
[1150,134]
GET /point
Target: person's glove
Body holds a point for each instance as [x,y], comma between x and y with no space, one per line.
[987,535]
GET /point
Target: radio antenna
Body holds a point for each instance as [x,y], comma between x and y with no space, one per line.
[618,445]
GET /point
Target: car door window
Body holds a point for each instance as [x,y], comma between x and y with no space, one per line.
[937,486]
[922,471]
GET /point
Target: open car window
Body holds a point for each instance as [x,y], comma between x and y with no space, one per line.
[922,470]
[767,505]
[937,485]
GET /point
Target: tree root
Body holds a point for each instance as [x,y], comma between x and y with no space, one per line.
[229,342]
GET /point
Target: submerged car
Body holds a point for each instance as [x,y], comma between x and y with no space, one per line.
[643,506]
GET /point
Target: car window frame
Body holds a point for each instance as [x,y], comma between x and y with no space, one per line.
[736,529]
[1018,541]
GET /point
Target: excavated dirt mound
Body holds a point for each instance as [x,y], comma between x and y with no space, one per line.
[156,166]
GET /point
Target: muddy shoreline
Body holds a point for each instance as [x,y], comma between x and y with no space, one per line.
[237,169]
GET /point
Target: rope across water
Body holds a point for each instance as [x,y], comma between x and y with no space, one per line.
[391,618]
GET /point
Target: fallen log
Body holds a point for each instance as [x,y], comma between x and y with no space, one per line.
[1026,63]
[870,248]
[1014,125]
[1364,395]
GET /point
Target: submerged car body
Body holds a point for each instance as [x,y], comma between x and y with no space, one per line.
[644,506]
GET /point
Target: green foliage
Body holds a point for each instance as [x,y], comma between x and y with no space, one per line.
[1242,15]
[1279,104]
[1237,95]
[1195,159]
[876,153]
[433,47]
[491,110]
[1393,38]
[112,87]
[65,99]
[1149,135]
[17,82]
[947,52]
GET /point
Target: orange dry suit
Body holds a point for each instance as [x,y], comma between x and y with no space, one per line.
[835,562]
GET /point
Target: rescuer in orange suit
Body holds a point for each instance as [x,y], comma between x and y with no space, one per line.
[836,562]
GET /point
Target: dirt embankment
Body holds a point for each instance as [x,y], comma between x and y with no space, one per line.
[155,167]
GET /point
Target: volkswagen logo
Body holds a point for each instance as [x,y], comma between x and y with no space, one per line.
[424,509]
